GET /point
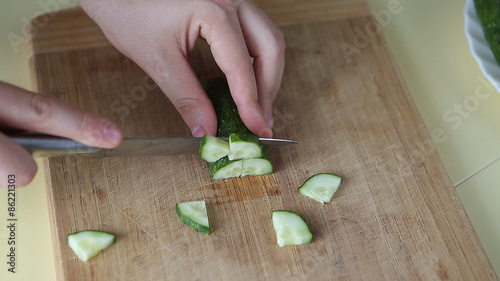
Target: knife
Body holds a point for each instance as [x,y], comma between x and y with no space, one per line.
[41,145]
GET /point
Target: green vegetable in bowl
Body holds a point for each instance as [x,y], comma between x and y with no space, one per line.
[488,12]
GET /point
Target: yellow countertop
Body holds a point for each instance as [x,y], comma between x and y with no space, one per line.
[429,44]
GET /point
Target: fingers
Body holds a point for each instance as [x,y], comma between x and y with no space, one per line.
[266,45]
[229,50]
[41,113]
[174,76]
[14,160]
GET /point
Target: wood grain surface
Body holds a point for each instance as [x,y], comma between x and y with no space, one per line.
[396,216]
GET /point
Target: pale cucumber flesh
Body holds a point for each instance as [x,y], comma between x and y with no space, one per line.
[244,167]
[195,215]
[321,187]
[213,149]
[290,229]
[89,243]
[257,166]
[244,147]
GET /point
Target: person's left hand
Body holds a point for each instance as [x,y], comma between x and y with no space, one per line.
[159,34]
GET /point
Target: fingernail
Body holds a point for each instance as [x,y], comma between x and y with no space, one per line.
[268,133]
[199,131]
[112,134]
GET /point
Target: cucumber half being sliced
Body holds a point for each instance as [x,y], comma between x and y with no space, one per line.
[89,243]
[194,214]
[290,229]
[321,187]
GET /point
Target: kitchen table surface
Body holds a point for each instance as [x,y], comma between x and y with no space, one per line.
[430,48]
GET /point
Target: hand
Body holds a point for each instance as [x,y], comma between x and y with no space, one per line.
[159,34]
[25,110]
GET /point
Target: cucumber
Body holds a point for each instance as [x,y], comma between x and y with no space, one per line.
[243,146]
[256,166]
[246,155]
[290,229]
[228,118]
[321,187]
[226,169]
[488,12]
[194,214]
[89,243]
[213,149]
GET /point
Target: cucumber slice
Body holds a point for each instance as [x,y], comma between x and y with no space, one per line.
[225,169]
[89,243]
[290,229]
[243,146]
[194,214]
[321,187]
[256,166]
[213,149]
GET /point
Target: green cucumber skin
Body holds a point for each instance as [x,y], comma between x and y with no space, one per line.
[228,118]
[219,164]
[245,137]
[197,227]
[488,12]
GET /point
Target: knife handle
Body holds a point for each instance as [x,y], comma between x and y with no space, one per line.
[43,145]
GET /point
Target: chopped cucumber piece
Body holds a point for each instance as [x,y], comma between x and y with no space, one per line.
[256,166]
[226,169]
[89,243]
[213,149]
[243,146]
[321,187]
[194,214]
[290,229]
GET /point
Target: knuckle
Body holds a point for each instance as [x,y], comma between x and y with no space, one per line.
[187,105]
[40,110]
[276,45]
[219,10]
[227,6]
[280,41]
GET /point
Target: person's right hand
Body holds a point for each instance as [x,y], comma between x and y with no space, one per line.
[25,110]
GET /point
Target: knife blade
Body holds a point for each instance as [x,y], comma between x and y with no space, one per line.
[41,145]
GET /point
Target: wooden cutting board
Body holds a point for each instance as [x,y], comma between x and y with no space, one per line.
[396,216]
